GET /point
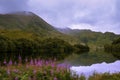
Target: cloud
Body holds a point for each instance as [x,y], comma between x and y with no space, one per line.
[56,12]
[99,68]
[97,27]
[7,6]
[83,10]
[65,13]
[94,14]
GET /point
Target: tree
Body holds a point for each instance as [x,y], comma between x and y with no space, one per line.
[114,48]
[81,48]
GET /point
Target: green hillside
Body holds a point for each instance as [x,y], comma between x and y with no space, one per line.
[29,25]
[93,39]
[25,21]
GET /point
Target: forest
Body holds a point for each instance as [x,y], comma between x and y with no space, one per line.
[113,48]
[49,48]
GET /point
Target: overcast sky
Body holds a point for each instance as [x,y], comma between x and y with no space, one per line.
[97,15]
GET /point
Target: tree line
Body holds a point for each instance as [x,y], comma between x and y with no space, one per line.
[49,48]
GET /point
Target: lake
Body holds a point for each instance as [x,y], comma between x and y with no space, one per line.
[95,61]
[89,58]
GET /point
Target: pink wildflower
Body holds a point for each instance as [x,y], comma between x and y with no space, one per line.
[8,71]
[10,62]
[5,62]
[55,78]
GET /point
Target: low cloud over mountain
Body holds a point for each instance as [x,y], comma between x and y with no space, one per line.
[98,15]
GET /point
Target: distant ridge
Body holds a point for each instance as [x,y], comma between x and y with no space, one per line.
[91,37]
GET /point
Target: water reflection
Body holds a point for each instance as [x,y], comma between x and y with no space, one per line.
[89,58]
[98,68]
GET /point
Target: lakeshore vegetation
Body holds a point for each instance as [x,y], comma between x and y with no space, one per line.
[38,69]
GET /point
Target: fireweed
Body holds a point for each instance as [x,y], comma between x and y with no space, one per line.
[35,69]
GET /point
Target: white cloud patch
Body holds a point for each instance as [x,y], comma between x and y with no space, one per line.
[62,13]
[82,26]
[97,27]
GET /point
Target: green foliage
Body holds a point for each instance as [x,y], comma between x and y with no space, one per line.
[81,48]
[3,44]
[56,48]
[52,48]
[117,41]
[114,48]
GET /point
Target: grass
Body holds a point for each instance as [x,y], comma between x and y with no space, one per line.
[105,76]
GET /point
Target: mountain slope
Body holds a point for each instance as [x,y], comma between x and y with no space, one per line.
[20,23]
[24,21]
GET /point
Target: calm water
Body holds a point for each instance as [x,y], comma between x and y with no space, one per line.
[89,58]
[90,62]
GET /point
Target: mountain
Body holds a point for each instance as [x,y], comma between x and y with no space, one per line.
[27,24]
[91,38]
[26,21]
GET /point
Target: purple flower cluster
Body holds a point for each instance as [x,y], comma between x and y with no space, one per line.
[34,68]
